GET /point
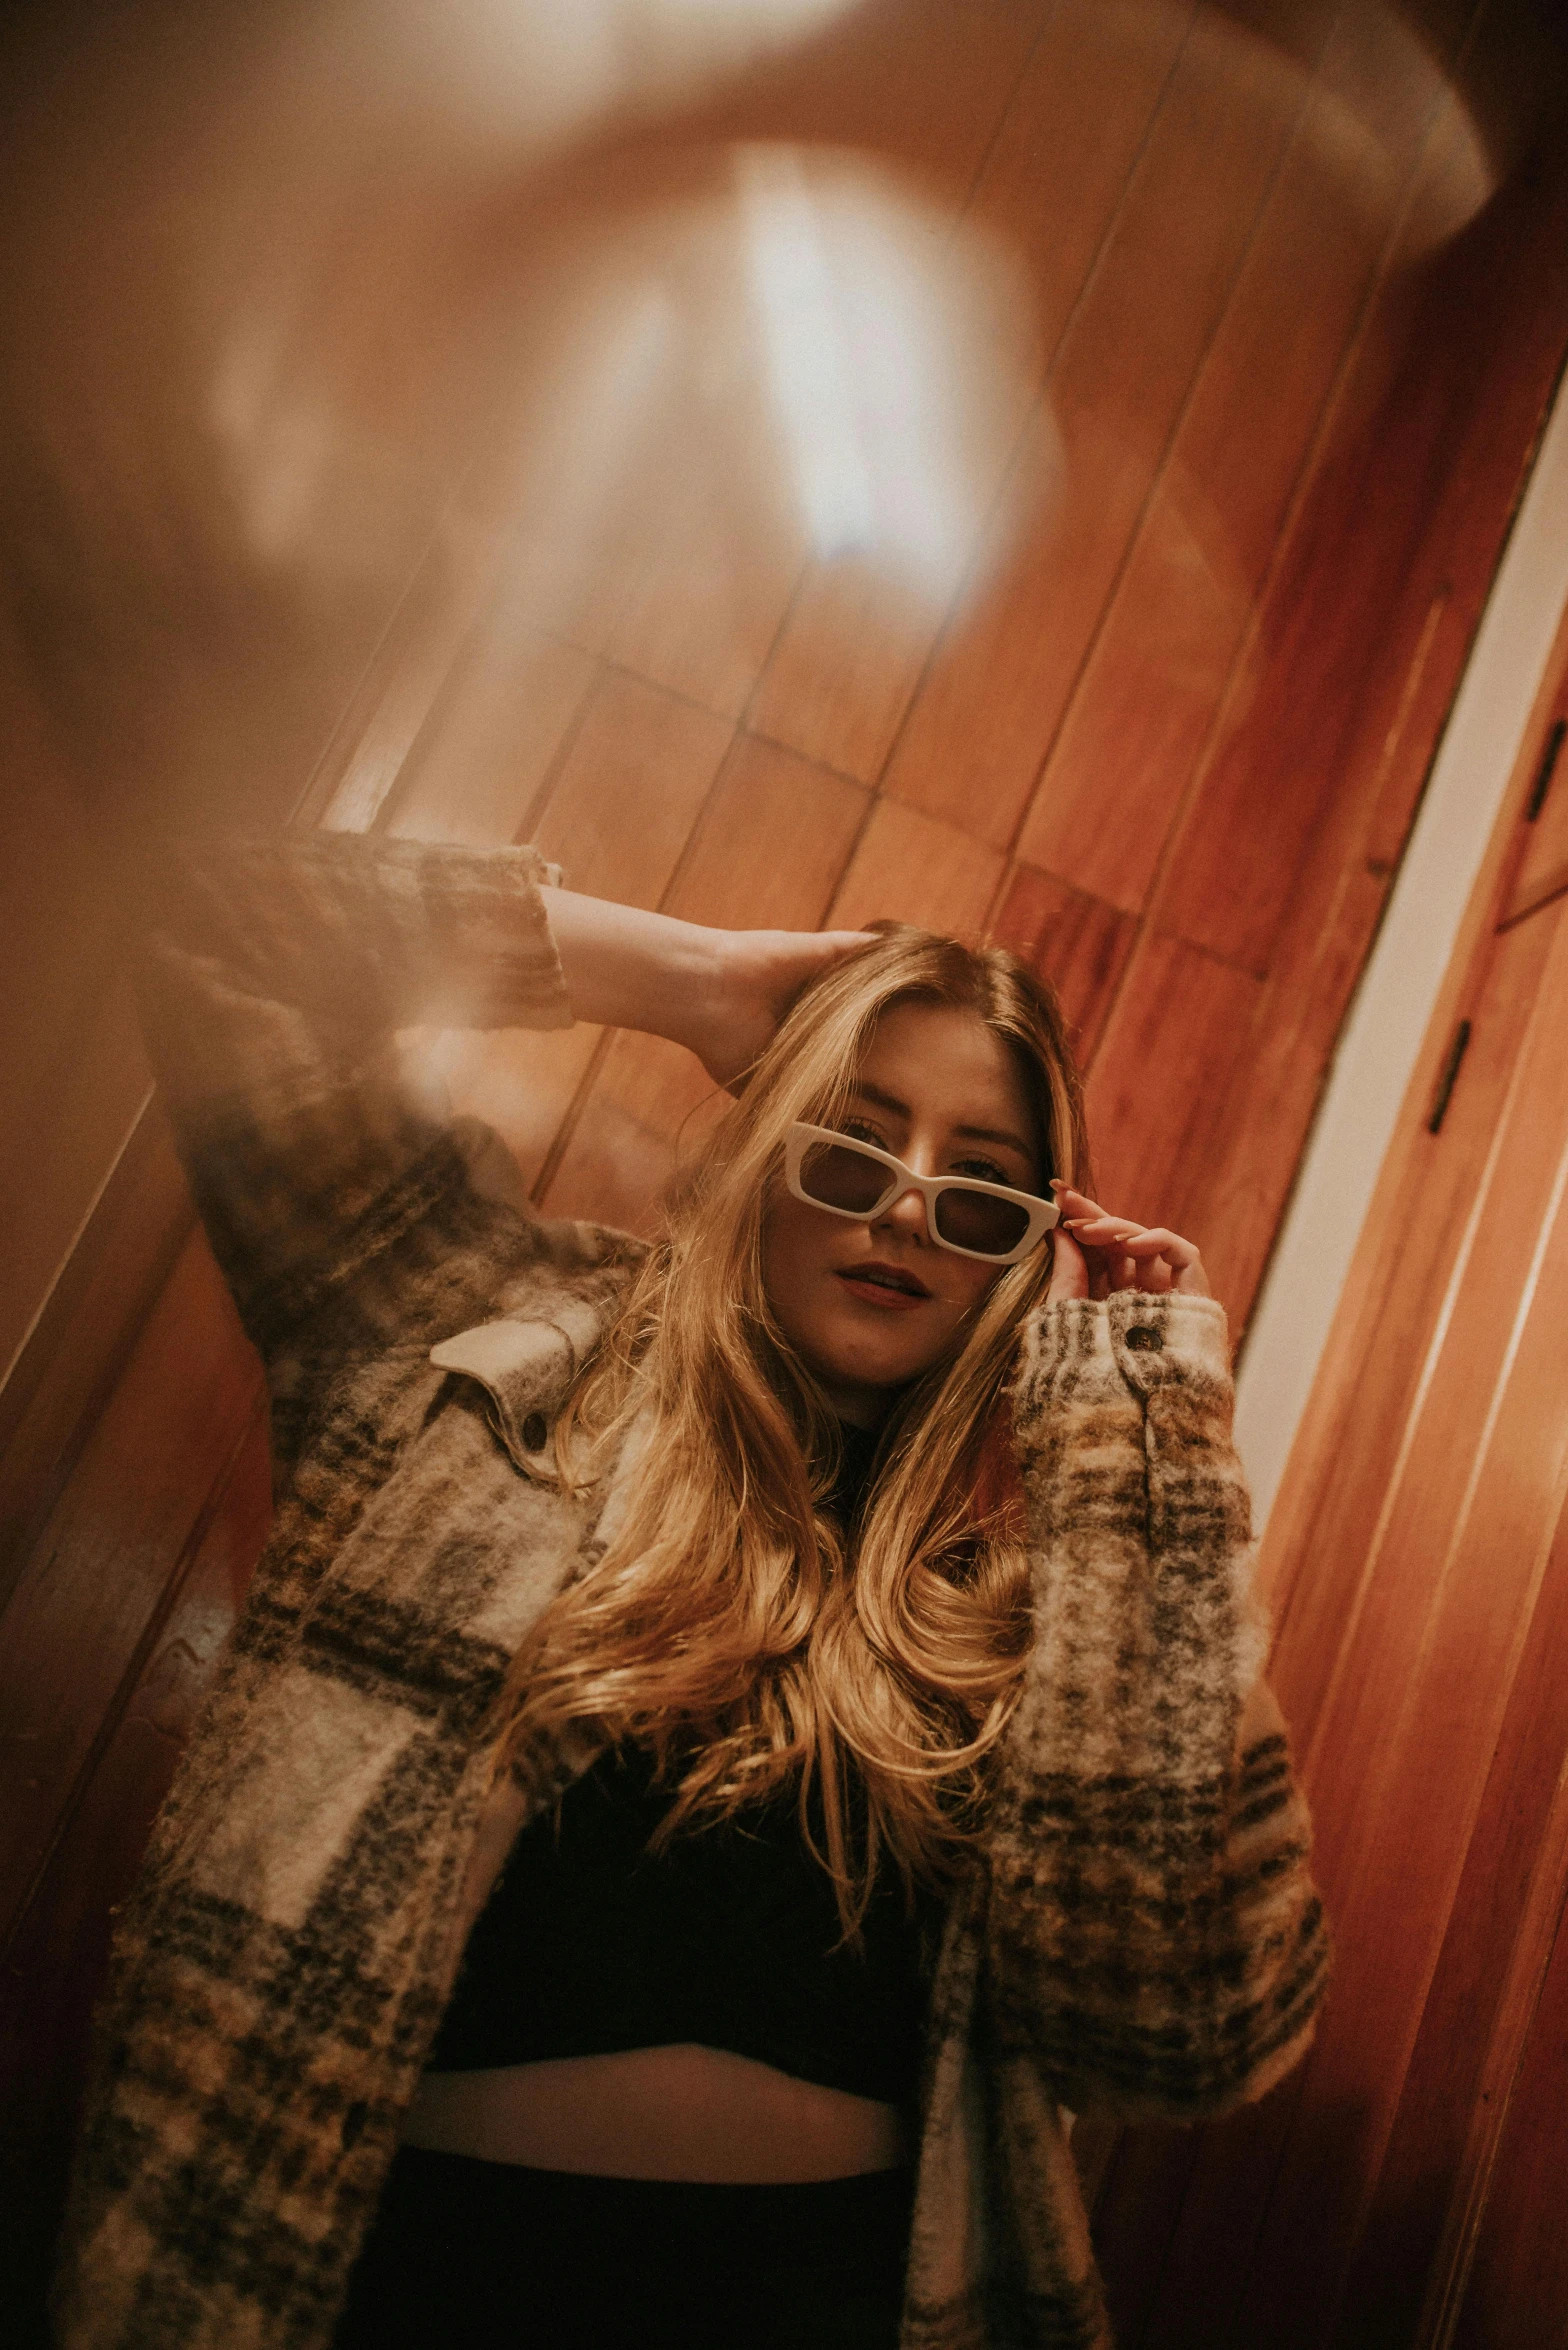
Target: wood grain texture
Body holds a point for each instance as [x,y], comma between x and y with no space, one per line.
[620,810]
[1235,861]
[1518,2281]
[490,745]
[1115,394]
[85,1329]
[72,1072]
[1444,2181]
[853,646]
[772,841]
[1079,943]
[97,1580]
[908,867]
[1182,1027]
[1181,611]
[56,1950]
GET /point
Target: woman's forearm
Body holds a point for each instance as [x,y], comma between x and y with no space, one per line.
[627,968]
[721,993]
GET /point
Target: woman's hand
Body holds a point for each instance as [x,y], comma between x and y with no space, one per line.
[755,977]
[721,993]
[1097,1253]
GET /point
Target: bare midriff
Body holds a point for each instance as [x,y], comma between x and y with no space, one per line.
[686,2112]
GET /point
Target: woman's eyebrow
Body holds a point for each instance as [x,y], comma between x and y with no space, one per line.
[889,1101]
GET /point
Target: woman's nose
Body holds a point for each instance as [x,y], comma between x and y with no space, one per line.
[907,1214]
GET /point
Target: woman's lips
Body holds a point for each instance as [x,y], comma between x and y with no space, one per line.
[888,1286]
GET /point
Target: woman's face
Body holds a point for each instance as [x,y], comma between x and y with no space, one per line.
[871,1306]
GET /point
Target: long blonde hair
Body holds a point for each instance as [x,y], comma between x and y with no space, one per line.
[728,1623]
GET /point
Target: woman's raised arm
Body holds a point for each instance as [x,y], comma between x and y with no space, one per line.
[274,973]
[721,993]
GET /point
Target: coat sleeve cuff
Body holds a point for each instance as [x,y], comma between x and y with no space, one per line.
[1131,1340]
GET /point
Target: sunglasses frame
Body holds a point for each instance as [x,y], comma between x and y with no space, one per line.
[1043,1213]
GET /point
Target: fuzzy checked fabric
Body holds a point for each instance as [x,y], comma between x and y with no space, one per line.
[1142,1937]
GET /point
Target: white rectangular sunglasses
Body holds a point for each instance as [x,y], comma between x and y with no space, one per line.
[857,1180]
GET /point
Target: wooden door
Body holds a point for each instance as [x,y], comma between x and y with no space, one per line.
[1404,2187]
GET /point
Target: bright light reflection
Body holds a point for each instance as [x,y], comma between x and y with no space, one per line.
[898,353]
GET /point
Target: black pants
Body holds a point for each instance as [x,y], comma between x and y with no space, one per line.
[470,2255]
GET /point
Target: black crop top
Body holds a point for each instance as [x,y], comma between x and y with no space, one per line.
[730,1938]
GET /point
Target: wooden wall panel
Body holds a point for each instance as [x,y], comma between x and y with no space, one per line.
[58,975]
[513,702]
[1519,2273]
[648,1101]
[59,1947]
[1163,730]
[914,868]
[852,649]
[97,1582]
[1165,653]
[1419,1653]
[1444,2164]
[1114,395]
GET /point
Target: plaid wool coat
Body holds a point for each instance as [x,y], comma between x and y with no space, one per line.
[1140,1934]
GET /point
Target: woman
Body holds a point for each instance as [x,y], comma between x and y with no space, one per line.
[846,1597]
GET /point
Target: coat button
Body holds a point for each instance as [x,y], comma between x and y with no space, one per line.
[1143,1340]
[535,1429]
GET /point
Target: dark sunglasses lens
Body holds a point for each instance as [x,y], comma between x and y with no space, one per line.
[841,1178]
[978,1220]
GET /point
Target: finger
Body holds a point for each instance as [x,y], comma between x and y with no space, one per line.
[1169,1262]
[1069,1271]
[1073,1203]
[1170,1245]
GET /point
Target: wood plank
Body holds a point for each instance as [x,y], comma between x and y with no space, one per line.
[1058,169]
[1262,1115]
[1077,942]
[492,741]
[1154,681]
[1407,1739]
[769,851]
[1475,2025]
[1478,357]
[1421,1234]
[922,82]
[55,1957]
[848,657]
[852,647]
[93,1587]
[704,577]
[908,867]
[771,845]
[649,1108]
[381,721]
[1220,2184]
[85,1329]
[1518,2284]
[618,817]
[1177,2224]
[1183,1022]
[990,705]
[72,1072]
[622,807]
